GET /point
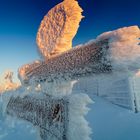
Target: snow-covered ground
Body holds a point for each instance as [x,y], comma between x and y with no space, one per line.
[111,122]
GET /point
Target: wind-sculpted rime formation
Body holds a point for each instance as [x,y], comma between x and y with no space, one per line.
[80,61]
[58,28]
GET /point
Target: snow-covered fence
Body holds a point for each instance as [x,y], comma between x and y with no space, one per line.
[78,62]
[49,114]
[56,118]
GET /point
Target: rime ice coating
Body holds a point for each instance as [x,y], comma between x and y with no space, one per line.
[58,28]
[78,62]
[113,50]
[124,48]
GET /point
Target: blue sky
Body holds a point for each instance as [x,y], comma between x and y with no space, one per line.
[20,19]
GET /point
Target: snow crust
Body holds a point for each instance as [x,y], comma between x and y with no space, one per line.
[78,62]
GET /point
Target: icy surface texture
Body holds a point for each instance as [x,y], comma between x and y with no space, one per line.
[49,114]
[78,62]
[58,28]
[28,67]
[56,117]
[124,47]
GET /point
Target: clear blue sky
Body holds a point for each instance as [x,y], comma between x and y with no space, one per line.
[20,19]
